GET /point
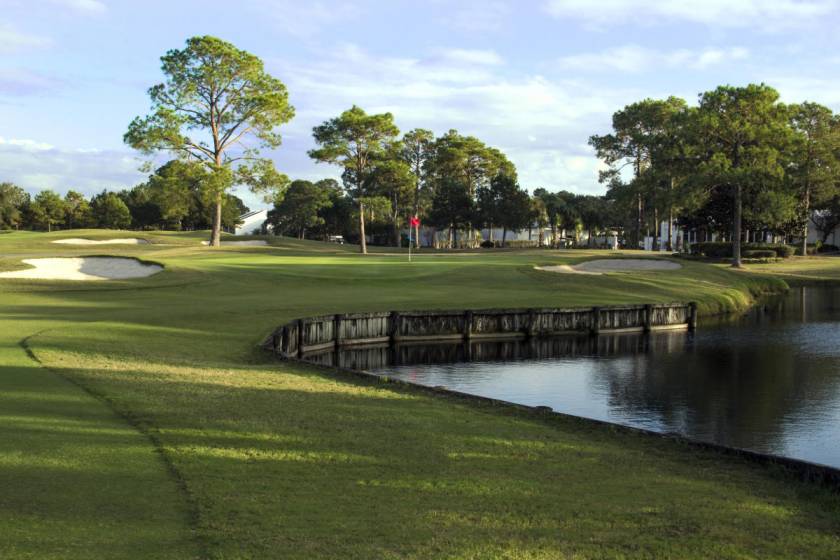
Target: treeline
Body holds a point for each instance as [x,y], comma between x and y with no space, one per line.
[740,165]
[321,209]
[175,197]
[454,183]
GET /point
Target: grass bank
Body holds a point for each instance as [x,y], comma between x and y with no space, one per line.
[138,415]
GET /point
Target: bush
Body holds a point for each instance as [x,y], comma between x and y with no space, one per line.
[818,247]
[487,244]
[783,251]
[712,250]
[718,250]
[521,243]
[759,254]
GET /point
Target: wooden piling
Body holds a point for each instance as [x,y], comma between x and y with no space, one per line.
[692,316]
[300,337]
[394,334]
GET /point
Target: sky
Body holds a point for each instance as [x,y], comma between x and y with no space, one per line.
[532,78]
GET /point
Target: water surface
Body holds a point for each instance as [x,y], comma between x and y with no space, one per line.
[769,381]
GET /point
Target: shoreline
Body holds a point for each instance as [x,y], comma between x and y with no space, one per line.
[807,471]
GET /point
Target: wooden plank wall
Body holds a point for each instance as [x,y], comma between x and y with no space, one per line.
[333,331]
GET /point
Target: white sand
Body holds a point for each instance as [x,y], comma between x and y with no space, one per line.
[254,243]
[84,268]
[600,266]
[563,269]
[119,241]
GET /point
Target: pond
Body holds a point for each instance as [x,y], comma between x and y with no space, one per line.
[768,381]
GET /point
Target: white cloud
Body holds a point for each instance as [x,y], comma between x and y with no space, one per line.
[472,56]
[476,16]
[83,6]
[36,165]
[796,88]
[22,82]
[25,143]
[725,13]
[633,59]
[304,19]
[539,122]
[12,40]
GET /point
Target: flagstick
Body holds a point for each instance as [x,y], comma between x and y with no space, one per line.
[409,243]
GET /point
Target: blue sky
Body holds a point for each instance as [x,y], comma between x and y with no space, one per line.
[533,78]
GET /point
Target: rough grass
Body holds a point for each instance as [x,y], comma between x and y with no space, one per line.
[140,420]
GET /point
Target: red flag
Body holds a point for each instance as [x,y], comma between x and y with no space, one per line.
[415,221]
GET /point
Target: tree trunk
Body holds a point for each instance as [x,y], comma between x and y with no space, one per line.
[639,222]
[657,230]
[504,235]
[417,236]
[395,224]
[362,240]
[805,225]
[553,236]
[216,235]
[736,228]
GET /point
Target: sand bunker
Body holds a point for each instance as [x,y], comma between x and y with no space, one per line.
[84,268]
[601,266]
[253,243]
[121,241]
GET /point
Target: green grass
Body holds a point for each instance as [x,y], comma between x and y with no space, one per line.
[140,419]
[799,270]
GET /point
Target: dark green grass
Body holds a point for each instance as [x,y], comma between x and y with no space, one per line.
[273,460]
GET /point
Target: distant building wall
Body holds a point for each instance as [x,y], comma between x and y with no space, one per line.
[251,221]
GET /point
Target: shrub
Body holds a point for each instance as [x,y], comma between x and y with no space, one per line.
[818,247]
[718,250]
[712,250]
[521,243]
[759,254]
[783,251]
[487,244]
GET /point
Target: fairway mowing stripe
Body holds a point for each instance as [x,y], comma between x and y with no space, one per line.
[193,516]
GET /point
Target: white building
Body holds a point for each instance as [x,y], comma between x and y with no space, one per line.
[252,222]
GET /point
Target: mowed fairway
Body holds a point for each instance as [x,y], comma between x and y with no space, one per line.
[139,420]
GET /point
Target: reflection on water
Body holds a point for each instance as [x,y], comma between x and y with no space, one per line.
[769,381]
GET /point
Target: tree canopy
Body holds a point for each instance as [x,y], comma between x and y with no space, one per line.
[217,106]
[354,140]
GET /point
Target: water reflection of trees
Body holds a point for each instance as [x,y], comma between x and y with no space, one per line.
[745,385]
[379,357]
